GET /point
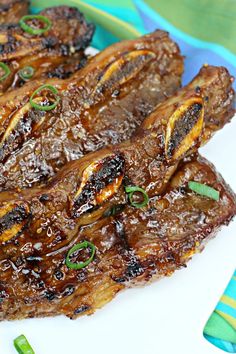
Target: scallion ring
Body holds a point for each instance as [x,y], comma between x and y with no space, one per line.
[32,30]
[41,107]
[6,70]
[26,73]
[133,189]
[78,246]
[204,190]
[22,345]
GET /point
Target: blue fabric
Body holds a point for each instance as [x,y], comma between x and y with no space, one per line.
[196,51]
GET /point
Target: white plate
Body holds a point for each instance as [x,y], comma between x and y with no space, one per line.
[163,318]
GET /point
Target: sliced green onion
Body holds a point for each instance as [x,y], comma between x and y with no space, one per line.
[22,345]
[26,73]
[6,70]
[204,190]
[77,247]
[32,30]
[133,189]
[39,106]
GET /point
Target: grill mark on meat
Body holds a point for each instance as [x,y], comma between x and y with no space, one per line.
[21,126]
[100,181]
[123,70]
[133,267]
[183,126]
[13,221]
[63,72]
[81,309]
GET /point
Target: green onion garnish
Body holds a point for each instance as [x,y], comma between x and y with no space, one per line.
[6,70]
[133,189]
[26,73]
[32,30]
[22,345]
[48,107]
[204,190]
[77,247]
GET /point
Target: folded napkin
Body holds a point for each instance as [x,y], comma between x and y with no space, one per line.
[220,329]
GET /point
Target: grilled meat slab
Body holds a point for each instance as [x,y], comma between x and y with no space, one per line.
[55,53]
[12,10]
[101,104]
[132,247]
[175,129]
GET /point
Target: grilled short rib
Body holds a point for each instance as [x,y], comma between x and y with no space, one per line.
[40,225]
[56,53]
[101,104]
[175,129]
[12,10]
[132,247]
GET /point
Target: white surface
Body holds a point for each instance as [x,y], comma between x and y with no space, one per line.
[166,317]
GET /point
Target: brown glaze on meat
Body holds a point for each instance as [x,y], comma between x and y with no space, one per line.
[134,246]
[12,10]
[101,104]
[55,53]
[174,130]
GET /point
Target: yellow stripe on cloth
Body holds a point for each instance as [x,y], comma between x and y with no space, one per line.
[231,320]
[228,301]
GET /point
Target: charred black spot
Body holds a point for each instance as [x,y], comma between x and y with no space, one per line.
[134,269]
[64,71]
[50,295]
[110,168]
[81,276]
[183,126]
[40,284]
[115,93]
[19,261]
[151,211]
[16,216]
[119,279]
[69,290]
[11,44]
[58,274]
[44,198]
[3,295]
[127,181]
[65,49]
[49,42]
[81,309]
[170,257]
[81,42]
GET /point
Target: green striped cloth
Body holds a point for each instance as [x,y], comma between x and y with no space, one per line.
[220,329]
